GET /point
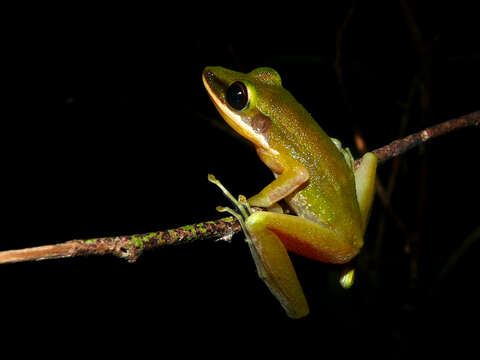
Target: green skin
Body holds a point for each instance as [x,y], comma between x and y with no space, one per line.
[314,176]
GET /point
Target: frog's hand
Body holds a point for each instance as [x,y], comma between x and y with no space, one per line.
[275,268]
[365,185]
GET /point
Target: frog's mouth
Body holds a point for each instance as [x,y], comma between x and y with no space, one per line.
[216,89]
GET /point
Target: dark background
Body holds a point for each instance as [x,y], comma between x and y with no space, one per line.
[107,130]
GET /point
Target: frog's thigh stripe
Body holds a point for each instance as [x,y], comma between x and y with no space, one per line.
[304,237]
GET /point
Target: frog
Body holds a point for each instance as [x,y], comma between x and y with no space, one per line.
[327,200]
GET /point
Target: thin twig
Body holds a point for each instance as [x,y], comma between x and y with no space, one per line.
[458,253]
[131,247]
[398,147]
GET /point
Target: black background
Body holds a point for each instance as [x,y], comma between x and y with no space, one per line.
[107,130]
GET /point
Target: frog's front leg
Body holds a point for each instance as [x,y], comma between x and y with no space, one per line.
[290,175]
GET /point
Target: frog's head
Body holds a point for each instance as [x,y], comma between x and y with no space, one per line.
[241,99]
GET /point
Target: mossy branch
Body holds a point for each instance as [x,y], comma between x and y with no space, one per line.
[128,247]
[131,247]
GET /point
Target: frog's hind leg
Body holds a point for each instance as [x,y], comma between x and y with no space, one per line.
[271,259]
[365,185]
[275,268]
[271,234]
[313,240]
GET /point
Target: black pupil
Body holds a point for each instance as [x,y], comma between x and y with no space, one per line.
[237,96]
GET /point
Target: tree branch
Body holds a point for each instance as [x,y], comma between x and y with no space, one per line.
[127,247]
[132,246]
[398,147]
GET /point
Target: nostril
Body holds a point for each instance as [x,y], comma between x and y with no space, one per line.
[208,74]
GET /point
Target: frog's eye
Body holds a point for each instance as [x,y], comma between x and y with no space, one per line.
[237,95]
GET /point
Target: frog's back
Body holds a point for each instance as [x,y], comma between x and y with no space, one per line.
[330,195]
